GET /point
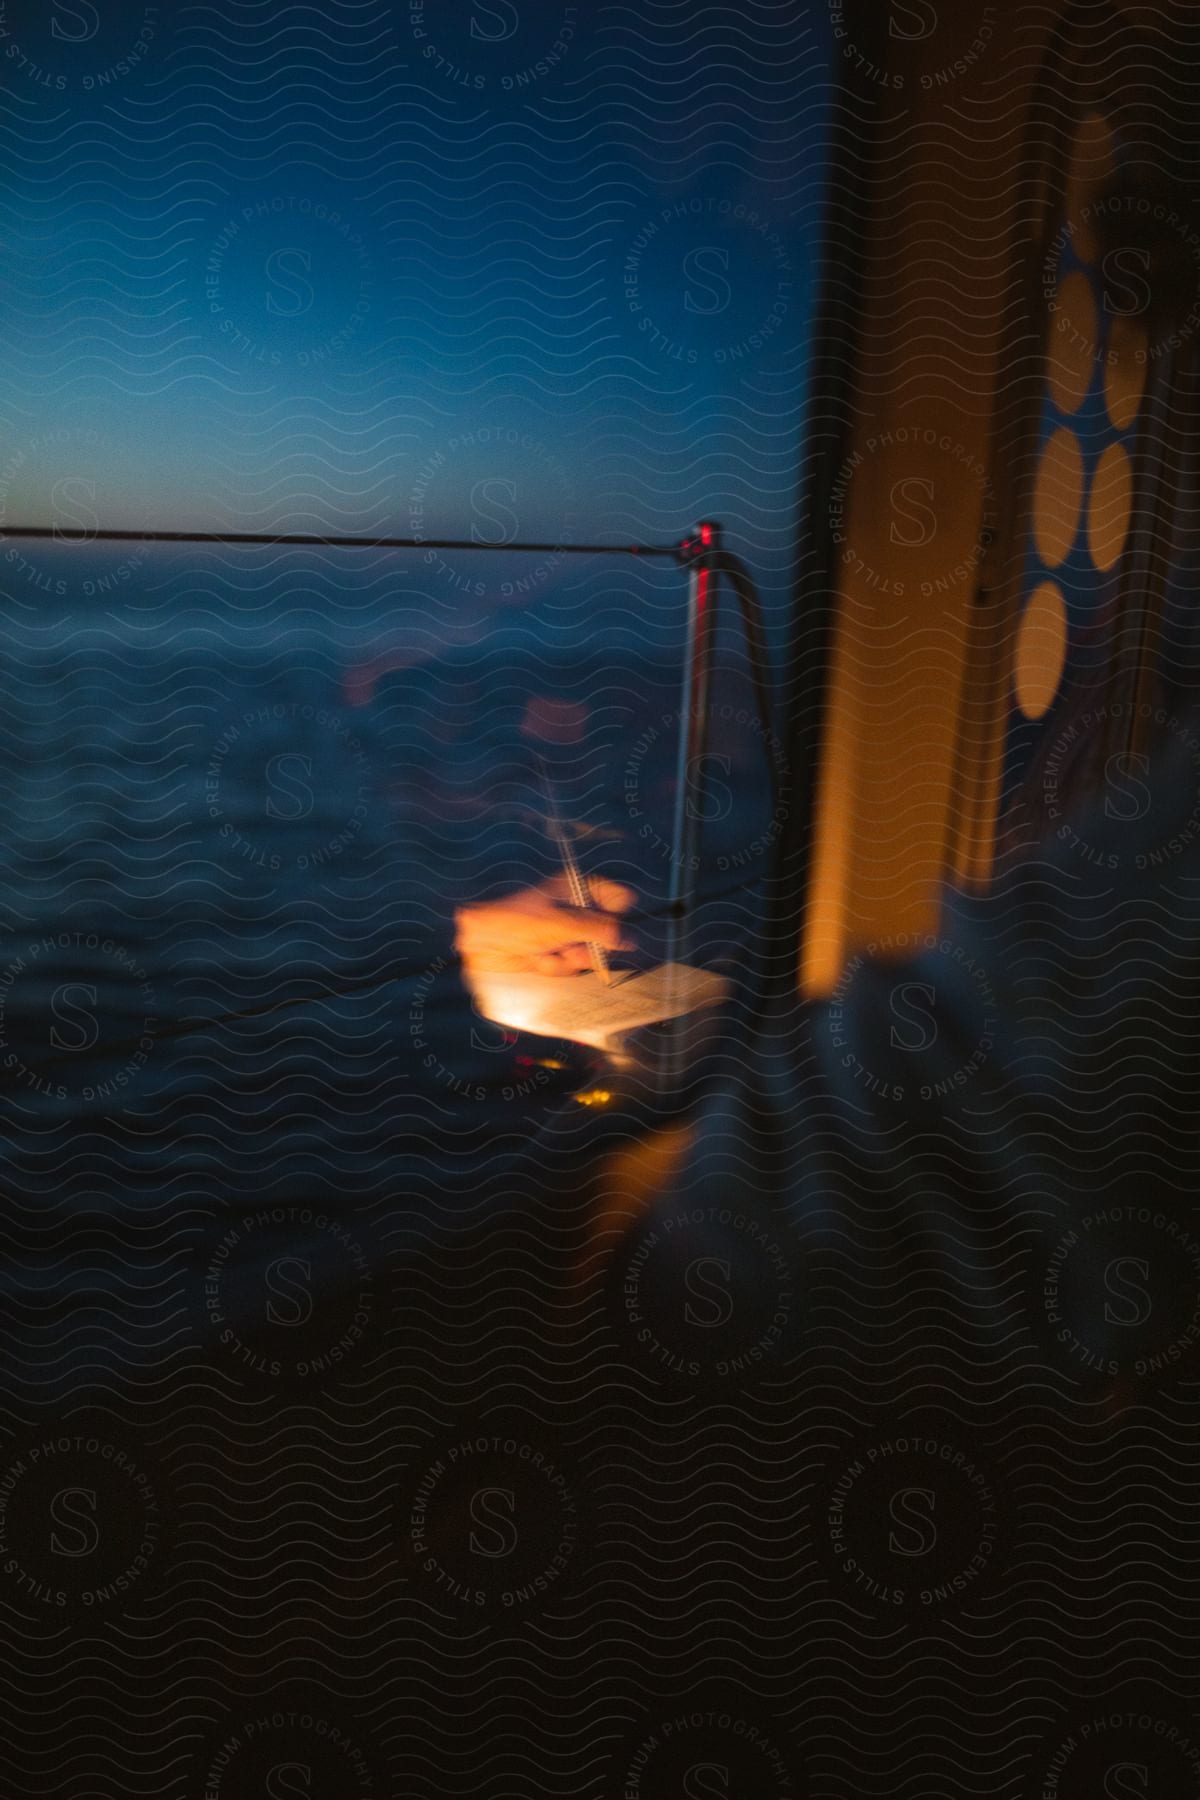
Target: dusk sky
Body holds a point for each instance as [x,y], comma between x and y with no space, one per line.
[546,271]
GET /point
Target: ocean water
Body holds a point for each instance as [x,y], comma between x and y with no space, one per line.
[243,793]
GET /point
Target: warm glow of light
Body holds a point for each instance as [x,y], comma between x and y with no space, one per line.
[1058,501]
[595,1097]
[1041,651]
[1111,506]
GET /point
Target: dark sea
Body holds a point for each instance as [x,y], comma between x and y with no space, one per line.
[244,792]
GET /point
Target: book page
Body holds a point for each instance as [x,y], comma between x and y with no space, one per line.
[581,1008]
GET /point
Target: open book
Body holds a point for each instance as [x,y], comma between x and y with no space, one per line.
[581,1008]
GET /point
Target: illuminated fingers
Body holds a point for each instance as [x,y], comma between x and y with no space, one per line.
[612,896]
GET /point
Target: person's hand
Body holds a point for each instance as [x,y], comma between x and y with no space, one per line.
[538,931]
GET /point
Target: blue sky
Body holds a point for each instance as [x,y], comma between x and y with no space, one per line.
[385,266]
